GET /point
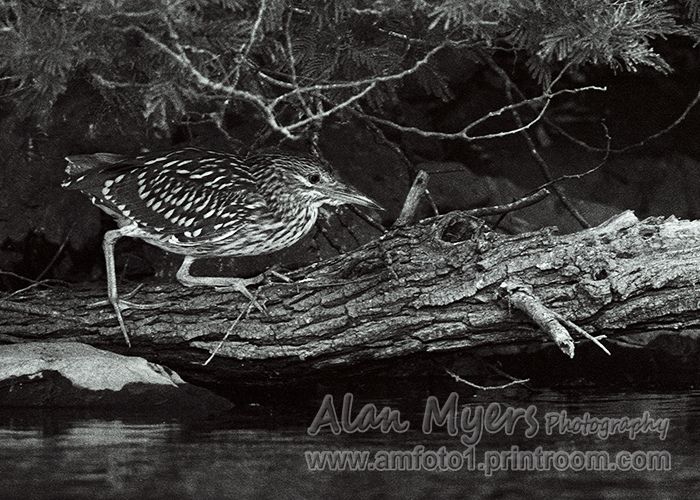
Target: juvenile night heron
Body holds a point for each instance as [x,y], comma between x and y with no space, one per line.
[201,203]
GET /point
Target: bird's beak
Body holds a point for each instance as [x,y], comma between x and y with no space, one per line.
[348,194]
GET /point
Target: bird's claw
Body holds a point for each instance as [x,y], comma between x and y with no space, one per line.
[128,295]
[120,304]
[117,305]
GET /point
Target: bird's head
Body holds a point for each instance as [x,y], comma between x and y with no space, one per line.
[308,179]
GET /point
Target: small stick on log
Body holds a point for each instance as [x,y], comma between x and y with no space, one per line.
[521,297]
[410,206]
[245,311]
[584,333]
[554,324]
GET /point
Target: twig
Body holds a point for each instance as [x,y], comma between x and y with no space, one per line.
[410,205]
[17,276]
[581,331]
[636,145]
[58,252]
[463,134]
[336,108]
[501,372]
[112,84]
[396,149]
[544,166]
[580,175]
[521,296]
[25,289]
[369,220]
[228,332]
[485,387]
[523,202]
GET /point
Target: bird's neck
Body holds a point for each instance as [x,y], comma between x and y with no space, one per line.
[295,210]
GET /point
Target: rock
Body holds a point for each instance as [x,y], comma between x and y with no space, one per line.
[75,375]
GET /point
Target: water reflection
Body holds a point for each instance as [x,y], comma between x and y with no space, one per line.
[250,455]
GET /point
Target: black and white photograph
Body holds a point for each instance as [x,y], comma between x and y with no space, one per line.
[313,249]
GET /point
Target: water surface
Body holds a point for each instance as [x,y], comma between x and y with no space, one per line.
[258,452]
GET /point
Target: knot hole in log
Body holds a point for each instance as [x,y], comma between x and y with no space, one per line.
[458,227]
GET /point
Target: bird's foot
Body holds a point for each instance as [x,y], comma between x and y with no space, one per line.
[120,304]
[124,298]
[241,285]
[226,284]
[125,302]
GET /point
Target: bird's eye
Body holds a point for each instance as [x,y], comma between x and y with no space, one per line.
[314,178]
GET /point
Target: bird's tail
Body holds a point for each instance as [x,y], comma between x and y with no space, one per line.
[78,164]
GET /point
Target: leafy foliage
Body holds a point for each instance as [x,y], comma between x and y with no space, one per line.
[142,51]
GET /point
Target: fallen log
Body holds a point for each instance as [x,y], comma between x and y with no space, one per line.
[445,284]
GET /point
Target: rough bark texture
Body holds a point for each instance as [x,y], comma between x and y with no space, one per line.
[434,287]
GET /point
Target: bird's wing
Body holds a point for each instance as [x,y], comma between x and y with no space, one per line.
[190,192]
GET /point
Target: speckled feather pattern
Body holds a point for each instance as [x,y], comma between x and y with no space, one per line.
[205,203]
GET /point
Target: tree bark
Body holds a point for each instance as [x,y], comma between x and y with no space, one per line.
[442,285]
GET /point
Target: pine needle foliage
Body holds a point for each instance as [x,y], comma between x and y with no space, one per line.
[133,50]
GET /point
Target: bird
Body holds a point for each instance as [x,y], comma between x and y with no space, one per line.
[202,203]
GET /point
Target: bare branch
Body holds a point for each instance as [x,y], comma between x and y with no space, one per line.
[636,145]
[521,297]
[600,165]
[57,254]
[334,109]
[523,202]
[463,134]
[396,149]
[410,206]
[544,166]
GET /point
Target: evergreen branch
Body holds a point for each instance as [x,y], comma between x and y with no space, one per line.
[112,84]
[373,80]
[292,64]
[245,49]
[184,61]
[266,109]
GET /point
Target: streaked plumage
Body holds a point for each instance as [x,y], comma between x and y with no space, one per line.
[201,203]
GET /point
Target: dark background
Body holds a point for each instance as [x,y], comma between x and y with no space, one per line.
[643,130]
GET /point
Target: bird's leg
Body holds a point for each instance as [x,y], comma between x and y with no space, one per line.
[118,304]
[108,243]
[220,283]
